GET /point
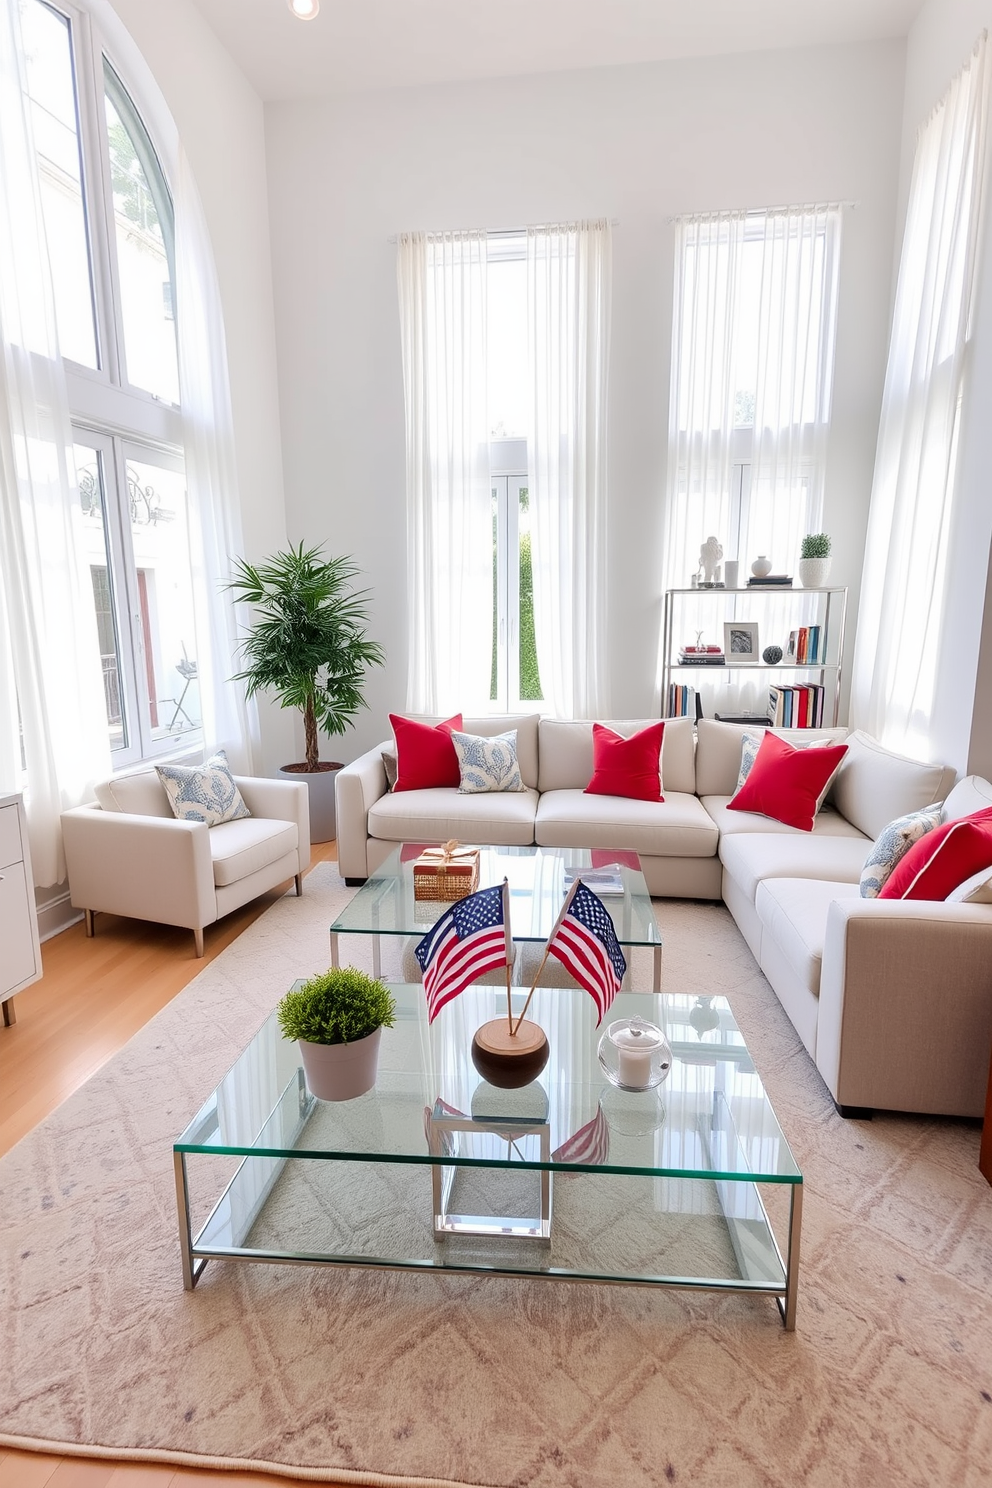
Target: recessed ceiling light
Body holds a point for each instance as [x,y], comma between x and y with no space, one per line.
[304,10]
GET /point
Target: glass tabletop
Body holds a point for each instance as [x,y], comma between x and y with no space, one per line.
[538,879]
[710,1119]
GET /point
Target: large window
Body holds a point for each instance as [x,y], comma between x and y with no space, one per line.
[109,226]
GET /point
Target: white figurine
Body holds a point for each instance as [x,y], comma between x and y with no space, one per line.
[710,555]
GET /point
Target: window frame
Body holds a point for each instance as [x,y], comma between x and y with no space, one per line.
[108,412]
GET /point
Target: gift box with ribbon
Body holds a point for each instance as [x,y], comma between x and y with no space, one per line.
[447,872]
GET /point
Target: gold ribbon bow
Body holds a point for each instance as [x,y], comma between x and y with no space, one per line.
[448,852]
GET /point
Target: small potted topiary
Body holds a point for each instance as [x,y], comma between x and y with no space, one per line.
[337,1017]
[814,560]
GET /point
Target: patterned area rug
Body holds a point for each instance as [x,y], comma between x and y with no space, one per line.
[400,1378]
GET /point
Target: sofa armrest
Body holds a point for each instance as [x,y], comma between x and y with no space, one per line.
[905,1015]
[145,867]
[280,800]
[357,788]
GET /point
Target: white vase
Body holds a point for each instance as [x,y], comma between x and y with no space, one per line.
[337,1072]
[761,566]
[320,787]
[814,572]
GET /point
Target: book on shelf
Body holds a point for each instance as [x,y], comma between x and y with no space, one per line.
[796,705]
[603,881]
[760,720]
[696,656]
[771,581]
[683,701]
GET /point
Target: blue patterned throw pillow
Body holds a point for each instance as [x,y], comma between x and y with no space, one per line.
[204,793]
[892,844]
[488,764]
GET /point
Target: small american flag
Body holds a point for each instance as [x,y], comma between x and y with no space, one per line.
[586,944]
[473,937]
[590,1145]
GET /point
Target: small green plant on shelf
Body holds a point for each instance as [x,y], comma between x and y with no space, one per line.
[338,1006]
[815,545]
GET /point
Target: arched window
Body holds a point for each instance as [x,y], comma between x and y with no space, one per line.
[109,225]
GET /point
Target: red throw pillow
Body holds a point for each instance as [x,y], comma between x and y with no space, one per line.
[786,783]
[425,754]
[627,767]
[943,859]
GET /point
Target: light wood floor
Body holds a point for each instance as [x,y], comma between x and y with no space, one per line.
[94,995]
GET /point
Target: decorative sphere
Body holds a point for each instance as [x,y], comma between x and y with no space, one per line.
[772,654]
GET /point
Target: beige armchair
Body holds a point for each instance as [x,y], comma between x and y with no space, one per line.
[128,854]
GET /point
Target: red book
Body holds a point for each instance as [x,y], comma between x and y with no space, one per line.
[803,720]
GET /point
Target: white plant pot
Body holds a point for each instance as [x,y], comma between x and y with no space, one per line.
[320,785]
[337,1072]
[814,572]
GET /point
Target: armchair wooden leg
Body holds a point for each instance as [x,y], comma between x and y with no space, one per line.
[198,941]
[9,1016]
[299,885]
[89,923]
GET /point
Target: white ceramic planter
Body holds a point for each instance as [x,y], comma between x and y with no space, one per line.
[814,572]
[323,824]
[337,1072]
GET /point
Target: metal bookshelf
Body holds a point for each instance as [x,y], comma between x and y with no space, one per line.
[830,614]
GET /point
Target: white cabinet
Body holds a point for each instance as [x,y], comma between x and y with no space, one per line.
[20,950]
[710,610]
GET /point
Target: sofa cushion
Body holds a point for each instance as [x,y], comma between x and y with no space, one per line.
[424,752]
[787,781]
[751,857]
[873,786]
[969,795]
[676,827]
[526,726]
[567,752]
[436,815]
[719,746]
[487,765]
[627,767]
[793,911]
[829,823]
[205,793]
[940,862]
[891,846]
[141,794]
[240,848]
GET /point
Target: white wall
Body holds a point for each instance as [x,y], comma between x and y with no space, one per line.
[939,45]
[221,124]
[639,144]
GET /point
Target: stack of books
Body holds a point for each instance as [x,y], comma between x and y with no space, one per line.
[701,656]
[798,706]
[778,581]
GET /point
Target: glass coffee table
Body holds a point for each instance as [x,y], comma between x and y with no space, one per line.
[385,905]
[435,1170]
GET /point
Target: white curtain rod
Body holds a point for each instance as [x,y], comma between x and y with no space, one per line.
[767,211]
[501,232]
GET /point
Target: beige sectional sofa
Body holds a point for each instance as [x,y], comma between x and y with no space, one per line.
[893,1000]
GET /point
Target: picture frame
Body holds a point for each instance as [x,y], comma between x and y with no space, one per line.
[740,643]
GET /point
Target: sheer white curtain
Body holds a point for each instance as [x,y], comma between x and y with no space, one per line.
[211,477]
[752,370]
[568,321]
[51,684]
[912,499]
[442,293]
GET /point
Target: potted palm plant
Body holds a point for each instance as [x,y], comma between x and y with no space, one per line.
[337,1018]
[308,644]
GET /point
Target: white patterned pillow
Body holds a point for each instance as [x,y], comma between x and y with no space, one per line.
[204,793]
[892,844]
[487,764]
